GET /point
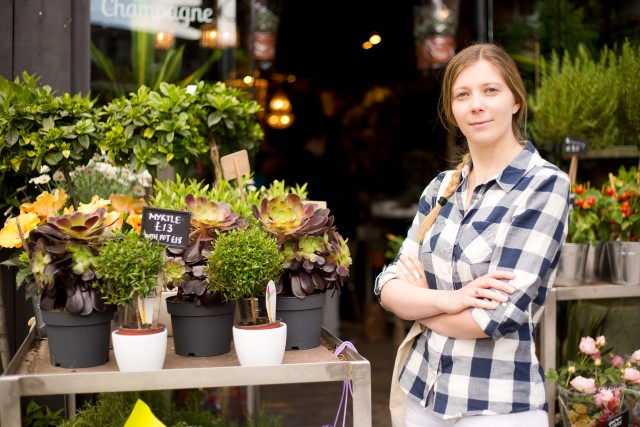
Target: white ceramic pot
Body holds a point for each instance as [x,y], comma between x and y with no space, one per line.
[146,310]
[140,352]
[260,347]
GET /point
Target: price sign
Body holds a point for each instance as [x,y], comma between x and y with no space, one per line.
[574,147]
[166,226]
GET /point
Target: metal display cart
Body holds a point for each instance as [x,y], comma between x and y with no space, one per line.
[30,373]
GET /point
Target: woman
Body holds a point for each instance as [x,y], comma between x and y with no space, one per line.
[479,259]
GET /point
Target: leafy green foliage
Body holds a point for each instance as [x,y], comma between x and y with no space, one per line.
[150,128]
[113,410]
[128,267]
[577,97]
[145,70]
[243,261]
[42,416]
[176,124]
[628,112]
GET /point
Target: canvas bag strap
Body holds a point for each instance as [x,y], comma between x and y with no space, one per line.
[397,396]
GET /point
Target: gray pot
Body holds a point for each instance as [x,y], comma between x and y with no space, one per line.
[572,263]
[201,331]
[77,341]
[624,260]
[303,318]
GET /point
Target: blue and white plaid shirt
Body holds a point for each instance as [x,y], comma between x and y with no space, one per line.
[517,222]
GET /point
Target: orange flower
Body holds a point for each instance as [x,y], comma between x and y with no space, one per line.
[9,235]
[135,221]
[46,204]
[126,203]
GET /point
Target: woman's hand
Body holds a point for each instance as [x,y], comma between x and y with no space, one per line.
[481,293]
[410,270]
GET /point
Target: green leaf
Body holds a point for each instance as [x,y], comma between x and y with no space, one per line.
[53,158]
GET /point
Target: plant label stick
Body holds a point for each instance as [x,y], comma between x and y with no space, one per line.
[235,165]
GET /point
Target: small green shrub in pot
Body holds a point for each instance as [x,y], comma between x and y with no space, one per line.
[129,266]
[243,262]
[578,98]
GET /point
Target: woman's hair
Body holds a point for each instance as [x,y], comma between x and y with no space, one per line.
[497,57]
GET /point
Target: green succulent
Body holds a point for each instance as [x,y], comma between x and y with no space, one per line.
[290,218]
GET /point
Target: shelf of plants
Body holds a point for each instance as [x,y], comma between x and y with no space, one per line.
[548,326]
[31,374]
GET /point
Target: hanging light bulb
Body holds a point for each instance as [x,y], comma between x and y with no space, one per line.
[280,103]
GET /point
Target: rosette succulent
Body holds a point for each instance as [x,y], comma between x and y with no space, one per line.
[208,220]
[317,258]
[63,257]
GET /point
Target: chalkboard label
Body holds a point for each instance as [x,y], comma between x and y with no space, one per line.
[166,226]
[575,146]
[620,420]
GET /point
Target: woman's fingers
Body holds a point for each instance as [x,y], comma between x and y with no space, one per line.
[411,269]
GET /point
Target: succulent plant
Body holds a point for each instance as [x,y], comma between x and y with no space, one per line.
[317,258]
[208,220]
[64,258]
[289,218]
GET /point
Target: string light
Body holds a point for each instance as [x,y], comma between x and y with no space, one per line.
[209,37]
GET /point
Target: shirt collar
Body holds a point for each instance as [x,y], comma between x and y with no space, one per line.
[515,170]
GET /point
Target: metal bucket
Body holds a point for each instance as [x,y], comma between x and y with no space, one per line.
[596,268]
[624,260]
[572,264]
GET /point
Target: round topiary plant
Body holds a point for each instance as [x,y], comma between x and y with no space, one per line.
[128,266]
[242,262]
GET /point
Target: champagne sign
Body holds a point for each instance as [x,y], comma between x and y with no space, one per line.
[165,226]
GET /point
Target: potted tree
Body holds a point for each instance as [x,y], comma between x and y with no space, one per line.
[240,266]
[130,268]
[316,259]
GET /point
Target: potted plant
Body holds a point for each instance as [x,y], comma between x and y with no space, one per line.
[58,266]
[622,214]
[39,128]
[240,266]
[176,125]
[130,268]
[198,306]
[316,259]
[578,98]
[582,258]
[592,389]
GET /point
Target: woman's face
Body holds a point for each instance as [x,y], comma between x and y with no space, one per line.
[483,105]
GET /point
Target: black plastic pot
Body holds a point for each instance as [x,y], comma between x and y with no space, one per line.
[201,331]
[303,318]
[77,341]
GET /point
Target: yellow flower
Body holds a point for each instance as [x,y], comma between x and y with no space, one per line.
[135,221]
[580,408]
[126,203]
[46,204]
[95,204]
[9,235]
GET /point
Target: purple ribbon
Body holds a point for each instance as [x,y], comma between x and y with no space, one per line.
[346,389]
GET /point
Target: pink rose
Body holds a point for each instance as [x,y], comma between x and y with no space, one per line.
[588,346]
[584,385]
[601,341]
[635,357]
[608,400]
[617,361]
[632,375]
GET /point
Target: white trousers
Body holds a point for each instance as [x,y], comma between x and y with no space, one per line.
[417,416]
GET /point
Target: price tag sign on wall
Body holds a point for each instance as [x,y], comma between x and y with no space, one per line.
[574,146]
[166,226]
